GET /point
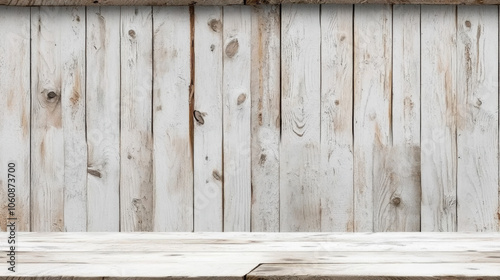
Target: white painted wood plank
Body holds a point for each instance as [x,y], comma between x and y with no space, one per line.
[136,176]
[398,200]
[300,208]
[59,152]
[173,162]
[15,114]
[207,122]
[103,118]
[265,92]
[372,110]
[438,112]
[374,271]
[337,209]
[236,120]
[477,119]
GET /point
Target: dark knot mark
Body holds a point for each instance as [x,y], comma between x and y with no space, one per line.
[198,116]
[215,25]
[232,48]
[396,201]
[94,172]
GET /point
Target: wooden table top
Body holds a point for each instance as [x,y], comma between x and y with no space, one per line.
[255,255]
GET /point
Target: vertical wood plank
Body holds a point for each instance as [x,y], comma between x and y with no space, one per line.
[438,123]
[477,118]
[103,118]
[236,120]
[265,92]
[173,162]
[207,115]
[398,197]
[15,113]
[136,177]
[372,108]
[59,152]
[300,208]
[337,209]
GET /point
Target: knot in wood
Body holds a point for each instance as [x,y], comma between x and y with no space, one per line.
[215,25]
[396,201]
[198,116]
[232,48]
[241,98]
[51,95]
[131,33]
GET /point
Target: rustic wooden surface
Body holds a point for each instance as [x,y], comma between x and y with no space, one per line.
[265,118]
[257,255]
[231,2]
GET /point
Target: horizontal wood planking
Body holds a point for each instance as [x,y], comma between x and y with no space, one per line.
[231,2]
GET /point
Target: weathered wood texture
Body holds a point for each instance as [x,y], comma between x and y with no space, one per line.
[266,118]
[257,256]
[232,2]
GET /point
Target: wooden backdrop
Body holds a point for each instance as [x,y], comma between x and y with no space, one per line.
[239,118]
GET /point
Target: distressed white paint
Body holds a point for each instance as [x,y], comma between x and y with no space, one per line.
[103,118]
[173,162]
[236,117]
[300,208]
[207,124]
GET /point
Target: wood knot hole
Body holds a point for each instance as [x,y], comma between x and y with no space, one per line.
[215,25]
[198,116]
[467,23]
[232,48]
[51,95]
[241,98]
[217,175]
[396,201]
[131,33]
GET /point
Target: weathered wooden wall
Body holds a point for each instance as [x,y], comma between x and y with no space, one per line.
[240,118]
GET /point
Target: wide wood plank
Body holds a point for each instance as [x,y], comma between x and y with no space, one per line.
[372,113]
[207,124]
[477,119]
[136,176]
[438,122]
[15,115]
[375,271]
[398,198]
[236,121]
[59,152]
[173,162]
[337,209]
[103,118]
[300,207]
[265,92]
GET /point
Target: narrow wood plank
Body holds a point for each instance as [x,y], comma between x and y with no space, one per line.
[59,152]
[398,168]
[372,111]
[438,125]
[103,118]
[207,115]
[337,209]
[136,176]
[375,271]
[233,2]
[173,162]
[265,92]
[15,114]
[477,119]
[236,121]
[300,208]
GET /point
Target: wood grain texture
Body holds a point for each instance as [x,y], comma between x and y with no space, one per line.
[173,161]
[265,92]
[337,209]
[15,114]
[236,121]
[300,207]
[207,115]
[372,112]
[59,152]
[136,176]
[438,118]
[231,2]
[477,119]
[398,198]
[103,118]
[333,271]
